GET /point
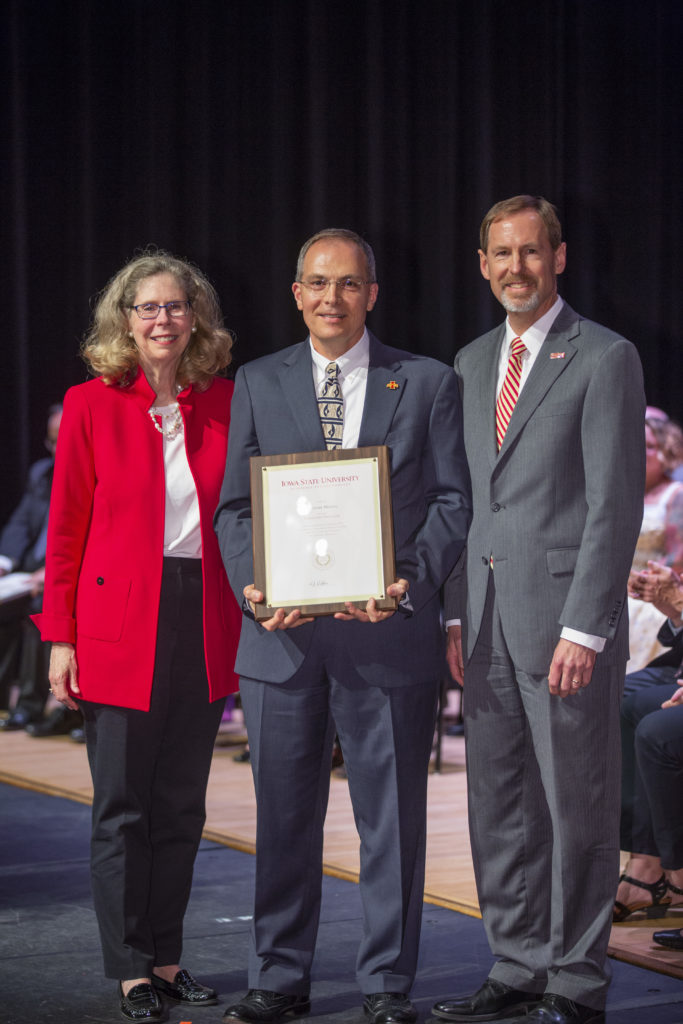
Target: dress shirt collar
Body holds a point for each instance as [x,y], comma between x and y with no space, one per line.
[357,357]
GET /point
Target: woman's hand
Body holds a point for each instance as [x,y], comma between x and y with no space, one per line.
[676,699]
[64,674]
[658,584]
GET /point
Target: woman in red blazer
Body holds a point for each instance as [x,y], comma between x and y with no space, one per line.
[143,623]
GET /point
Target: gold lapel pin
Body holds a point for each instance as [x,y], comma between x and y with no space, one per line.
[392,385]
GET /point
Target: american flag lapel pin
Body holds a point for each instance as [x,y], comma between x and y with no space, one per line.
[557,355]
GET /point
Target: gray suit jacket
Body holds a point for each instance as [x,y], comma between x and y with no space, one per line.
[560,506]
[274,411]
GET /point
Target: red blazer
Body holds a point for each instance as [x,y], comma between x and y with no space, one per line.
[106,537]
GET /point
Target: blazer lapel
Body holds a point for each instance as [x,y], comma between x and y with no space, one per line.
[556,353]
[488,368]
[296,379]
[383,392]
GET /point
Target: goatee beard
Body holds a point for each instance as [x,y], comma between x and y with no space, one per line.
[511,305]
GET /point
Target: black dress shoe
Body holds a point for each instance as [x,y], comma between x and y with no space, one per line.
[184,989]
[17,720]
[493,1001]
[261,1006]
[389,1008]
[60,722]
[141,1003]
[671,938]
[554,1009]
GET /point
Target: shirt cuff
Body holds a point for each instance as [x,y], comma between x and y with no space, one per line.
[458,622]
[595,643]
[6,563]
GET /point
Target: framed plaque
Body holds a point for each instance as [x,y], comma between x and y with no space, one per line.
[323,530]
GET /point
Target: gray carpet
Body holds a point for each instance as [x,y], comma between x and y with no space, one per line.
[50,966]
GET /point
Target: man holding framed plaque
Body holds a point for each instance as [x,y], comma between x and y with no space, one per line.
[366,671]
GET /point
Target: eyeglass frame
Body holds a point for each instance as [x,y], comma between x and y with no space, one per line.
[332,280]
[164,305]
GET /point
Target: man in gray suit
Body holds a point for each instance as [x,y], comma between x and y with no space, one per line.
[368,674]
[553,412]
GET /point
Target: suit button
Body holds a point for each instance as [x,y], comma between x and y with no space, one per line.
[495,507]
[100,581]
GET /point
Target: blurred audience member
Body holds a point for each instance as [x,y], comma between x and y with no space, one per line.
[23,659]
[653,413]
[661,534]
[652,791]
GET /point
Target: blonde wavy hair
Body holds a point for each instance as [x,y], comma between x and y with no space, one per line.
[111,353]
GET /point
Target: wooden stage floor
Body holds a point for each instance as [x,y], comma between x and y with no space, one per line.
[59,767]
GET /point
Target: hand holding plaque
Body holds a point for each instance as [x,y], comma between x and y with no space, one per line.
[323,532]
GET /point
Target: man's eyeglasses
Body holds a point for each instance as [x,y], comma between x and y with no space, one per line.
[150,310]
[348,285]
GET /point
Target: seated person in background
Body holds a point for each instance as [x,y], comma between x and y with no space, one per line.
[661,534]
[653,413]
[22,549]
[672,938]
[652,768]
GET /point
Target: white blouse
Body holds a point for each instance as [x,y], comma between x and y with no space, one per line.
[182,531]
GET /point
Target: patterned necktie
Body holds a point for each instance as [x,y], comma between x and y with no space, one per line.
[331,407]
[509,393]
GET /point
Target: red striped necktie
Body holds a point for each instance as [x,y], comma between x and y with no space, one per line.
[509,393]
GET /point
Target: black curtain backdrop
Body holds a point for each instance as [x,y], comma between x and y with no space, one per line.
[229,131]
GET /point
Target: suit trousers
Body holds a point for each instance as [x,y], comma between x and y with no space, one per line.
[386,735]
[652,772]
[150,771]
[543,785]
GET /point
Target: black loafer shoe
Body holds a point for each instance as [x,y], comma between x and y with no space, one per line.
[141,1003]
[493,1001]
[389,1008]
[554,1009]
[260,1006]
[184,989]
[671,938]
[60,722]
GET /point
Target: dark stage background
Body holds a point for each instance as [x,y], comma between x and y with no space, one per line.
[228,131]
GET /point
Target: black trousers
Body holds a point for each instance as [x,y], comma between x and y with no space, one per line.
[150,771]
[652,771]
[24,658]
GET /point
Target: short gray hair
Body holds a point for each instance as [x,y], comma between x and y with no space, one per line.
[345,235]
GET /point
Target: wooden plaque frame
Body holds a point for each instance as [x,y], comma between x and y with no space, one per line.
[379,518]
